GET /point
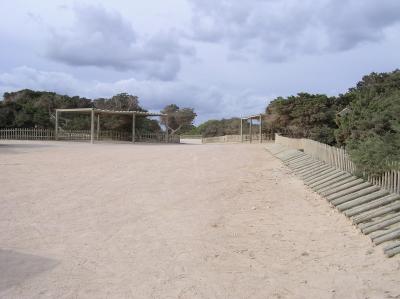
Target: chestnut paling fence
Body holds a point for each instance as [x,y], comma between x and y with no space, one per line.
[339,158]
[83,135]
[237,138]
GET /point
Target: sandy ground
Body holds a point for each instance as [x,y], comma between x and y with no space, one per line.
[174,221]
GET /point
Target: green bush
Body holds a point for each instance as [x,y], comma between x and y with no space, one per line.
[370,129]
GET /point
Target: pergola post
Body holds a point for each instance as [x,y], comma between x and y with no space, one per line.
[166,129]
[98,127]
[260,128]
[251,124]
[92,126]
[133,127]
[241,130]
[56,126]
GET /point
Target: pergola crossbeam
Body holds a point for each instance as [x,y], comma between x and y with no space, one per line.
[115,112]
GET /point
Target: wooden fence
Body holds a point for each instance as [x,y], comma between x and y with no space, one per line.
[27,134]
[339,158]
[237,138]
[191,136]
[83,135]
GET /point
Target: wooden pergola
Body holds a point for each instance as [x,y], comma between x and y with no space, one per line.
[251,117]
[97,112]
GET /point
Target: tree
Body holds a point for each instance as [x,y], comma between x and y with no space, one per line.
[177,119]
[305,115]
[212,128]
[370,126]
[27,108]
[119,102]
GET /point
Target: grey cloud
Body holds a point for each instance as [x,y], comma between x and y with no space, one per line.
[26,77]
[103,38]
[277,30]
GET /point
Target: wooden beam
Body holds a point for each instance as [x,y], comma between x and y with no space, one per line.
[76,110]
[92,126]
[252,117]
[393,251]
[166,129]
[56,127]
[88,110]
[133,127]
[260,128]
[250,132]
[241,130]
[98,127]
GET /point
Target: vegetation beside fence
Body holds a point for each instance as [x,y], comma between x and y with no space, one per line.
[83,135]
[340,159]
[237,138]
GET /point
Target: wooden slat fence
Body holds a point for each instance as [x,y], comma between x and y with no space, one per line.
[27,134]
[237,138]
[339,158]
[156,137]
[295,143]
[191,136]
[82,135]
[77,135]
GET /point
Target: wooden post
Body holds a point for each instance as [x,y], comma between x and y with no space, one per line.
[92,126]
[56,128]
[98,126]
[133,127]
[251,124]
[166,129]
[241,130]
[260,128]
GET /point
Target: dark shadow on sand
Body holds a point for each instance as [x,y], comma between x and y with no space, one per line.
[16,267]
[16,148]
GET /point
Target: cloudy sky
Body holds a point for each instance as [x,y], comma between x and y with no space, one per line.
[224,58]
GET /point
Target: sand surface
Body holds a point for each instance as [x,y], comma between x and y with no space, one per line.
[174,221]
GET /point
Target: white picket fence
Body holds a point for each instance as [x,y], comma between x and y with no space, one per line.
[339,158]
[82,135]
[26,134]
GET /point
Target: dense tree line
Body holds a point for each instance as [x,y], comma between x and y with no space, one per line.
[36,109]
[304,116]
[222,127]
[366,120]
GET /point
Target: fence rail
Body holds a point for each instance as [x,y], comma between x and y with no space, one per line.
[237,138]
[340,159]
[83,135]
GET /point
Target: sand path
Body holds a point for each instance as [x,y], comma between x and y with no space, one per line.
[174,221]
